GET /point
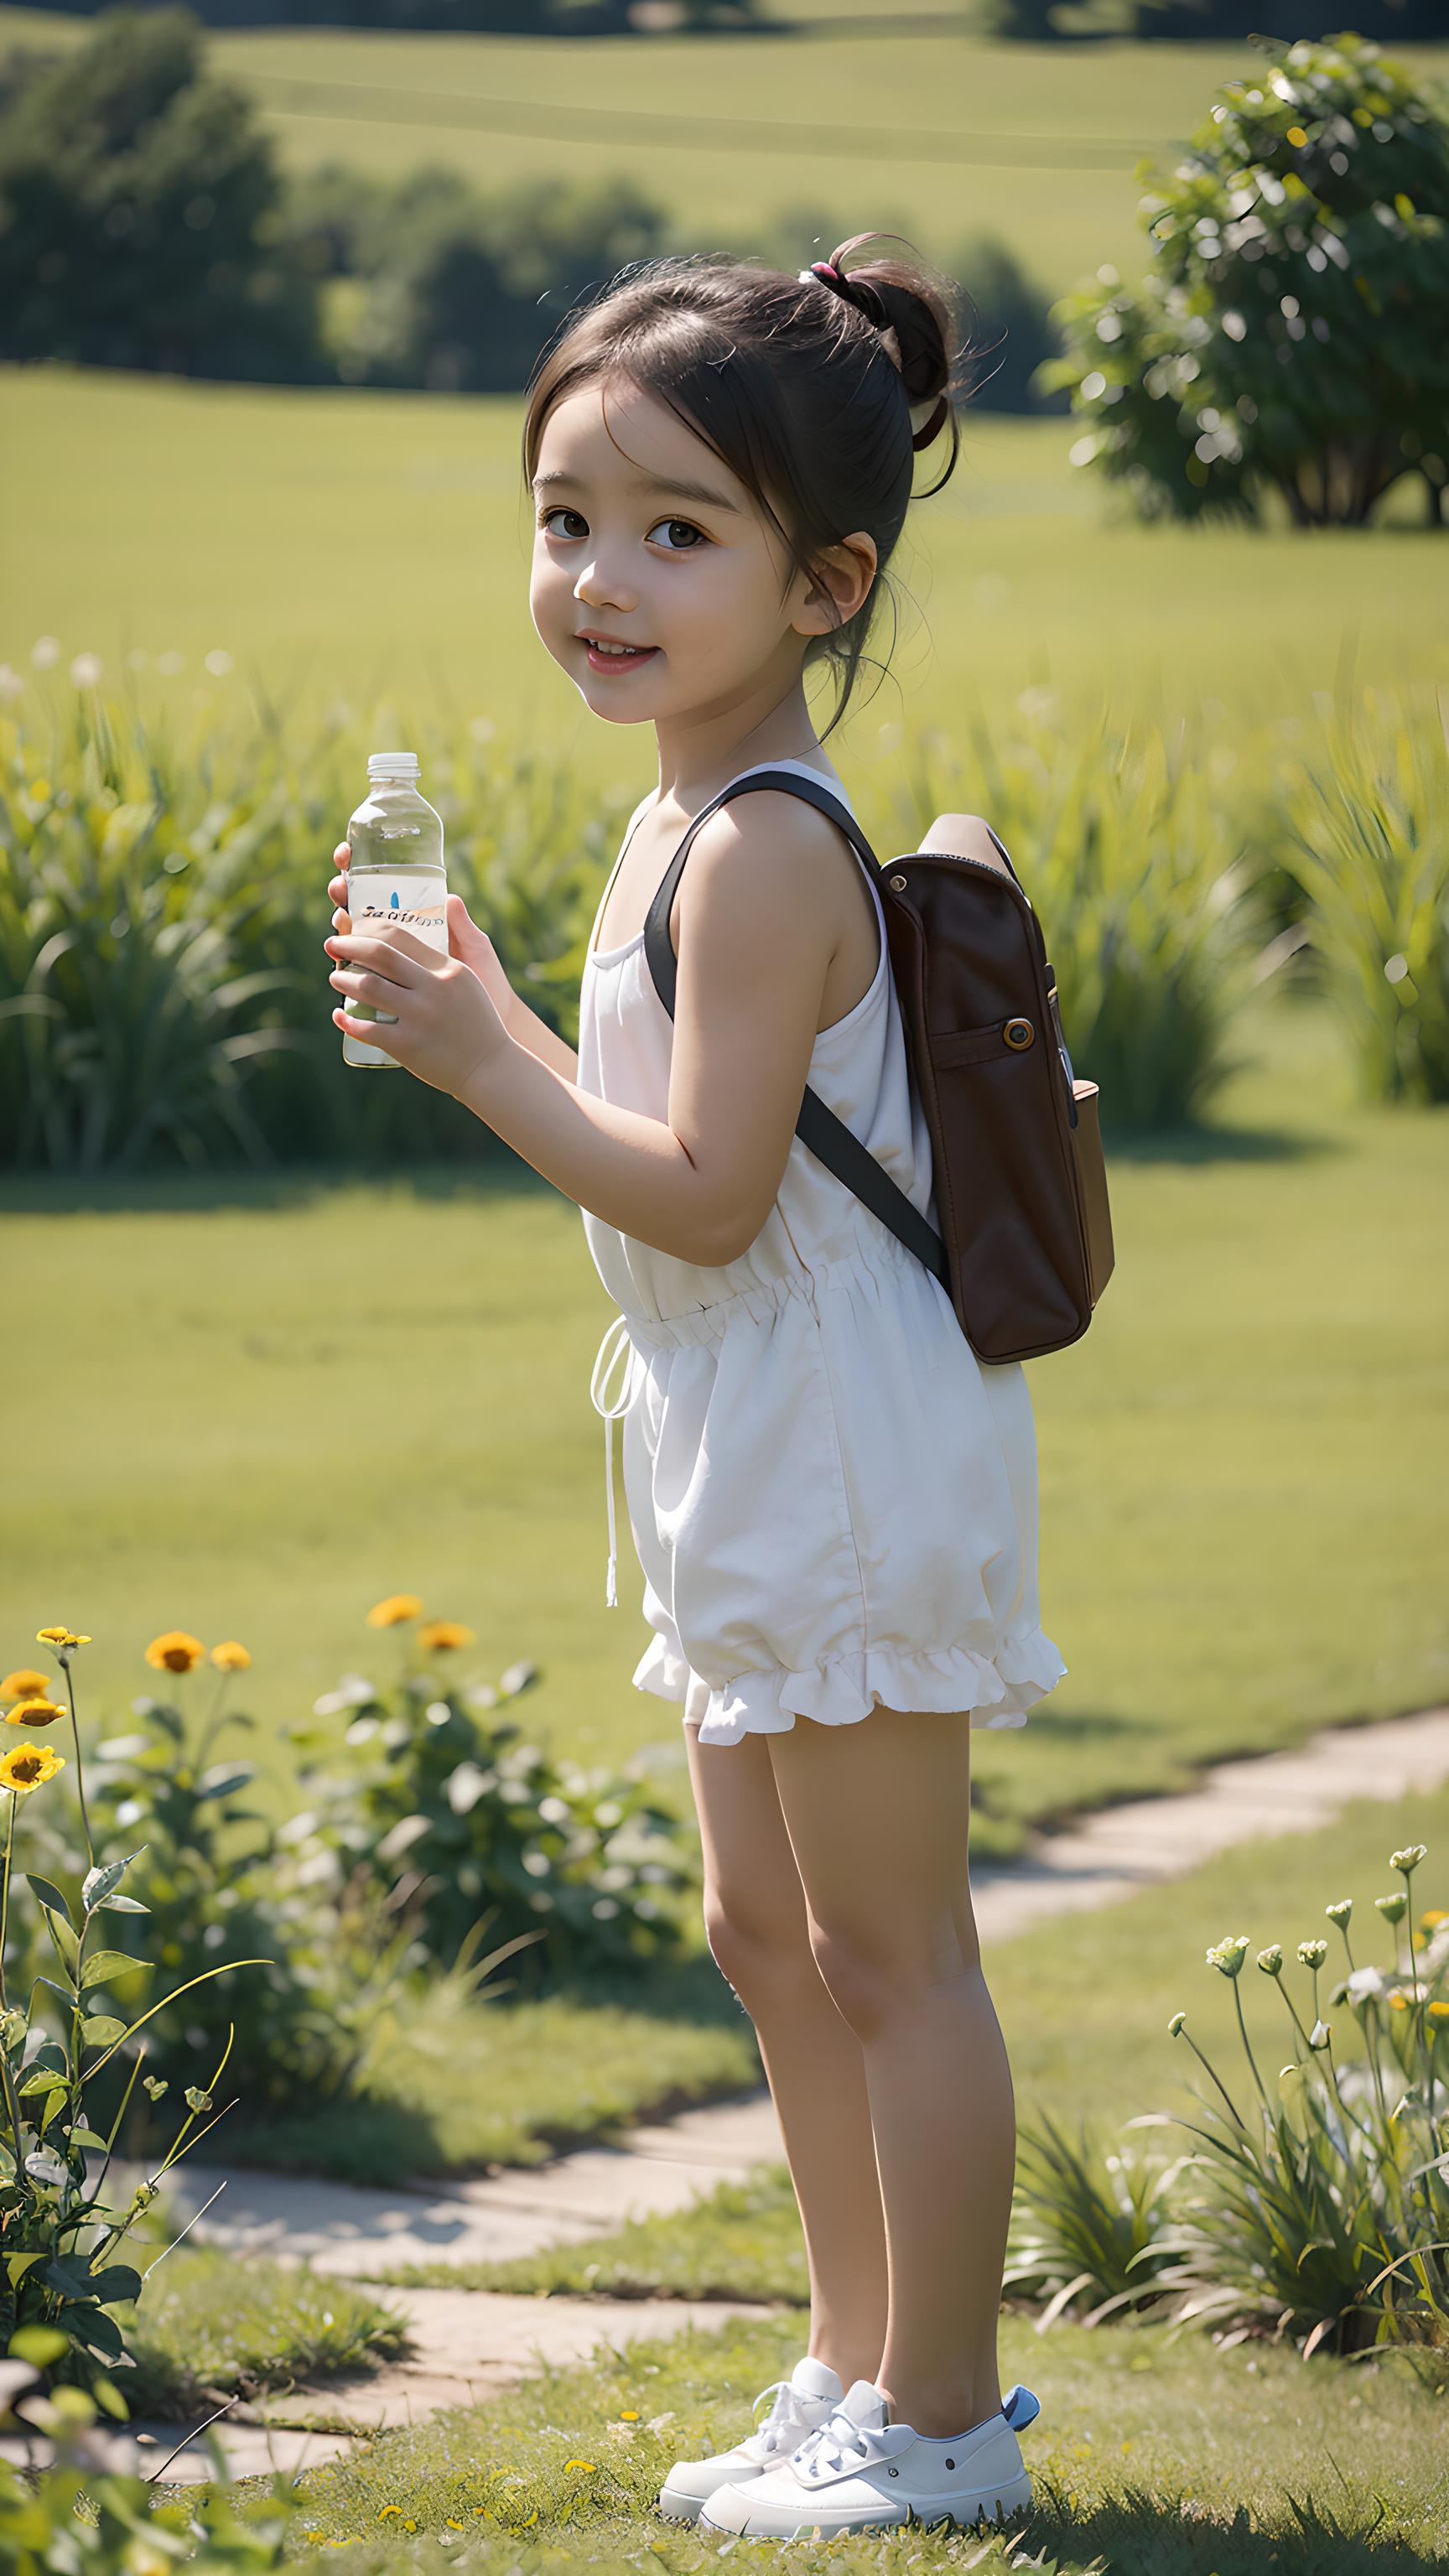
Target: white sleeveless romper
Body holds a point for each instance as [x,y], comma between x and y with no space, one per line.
[833,1500]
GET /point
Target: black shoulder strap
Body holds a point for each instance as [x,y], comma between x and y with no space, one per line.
[828,1137]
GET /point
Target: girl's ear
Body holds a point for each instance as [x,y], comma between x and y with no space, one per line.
[841,585]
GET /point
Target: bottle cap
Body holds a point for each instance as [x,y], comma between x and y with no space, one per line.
[395,766]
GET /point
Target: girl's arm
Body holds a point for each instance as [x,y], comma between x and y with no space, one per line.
[762,907]
[541,1041]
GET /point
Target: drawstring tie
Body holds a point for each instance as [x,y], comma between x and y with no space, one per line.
[615,1342]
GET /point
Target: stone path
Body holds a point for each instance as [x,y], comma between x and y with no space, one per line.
[468,2343]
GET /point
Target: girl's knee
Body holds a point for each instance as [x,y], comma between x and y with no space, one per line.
[756,1946]
[875,1981]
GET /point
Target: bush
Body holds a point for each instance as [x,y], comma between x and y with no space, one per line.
[138,201]
[1287,338]
[460,1822]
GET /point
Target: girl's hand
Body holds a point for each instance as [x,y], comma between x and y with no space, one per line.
[465,940]
[446,1030]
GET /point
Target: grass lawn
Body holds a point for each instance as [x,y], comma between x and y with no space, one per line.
[211,2325]
[140,514]
[1242,1493]
[1084,2001]
[1149,2459]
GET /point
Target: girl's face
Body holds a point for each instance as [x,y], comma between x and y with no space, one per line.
[664,548]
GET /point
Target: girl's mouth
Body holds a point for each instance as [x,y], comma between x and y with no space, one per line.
[630,659]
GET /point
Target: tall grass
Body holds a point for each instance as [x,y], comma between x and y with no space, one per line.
[1149,888]
[1366,817]
[163,990]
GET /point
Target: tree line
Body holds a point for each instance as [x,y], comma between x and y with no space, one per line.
[145,222]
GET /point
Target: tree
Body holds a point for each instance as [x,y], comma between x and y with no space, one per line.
[138,214]
[1290,334]
[1402,22]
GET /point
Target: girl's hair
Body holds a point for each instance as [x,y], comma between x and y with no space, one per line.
[794,385]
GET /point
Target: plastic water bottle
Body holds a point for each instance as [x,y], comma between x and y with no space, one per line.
[395,876]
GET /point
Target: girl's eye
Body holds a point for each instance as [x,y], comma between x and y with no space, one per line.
[559,511]
[689,531]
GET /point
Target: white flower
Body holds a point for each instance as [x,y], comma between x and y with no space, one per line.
[86,670]
[218,664]
[1364,1984]
[11,683]
[46,652]
[168,664]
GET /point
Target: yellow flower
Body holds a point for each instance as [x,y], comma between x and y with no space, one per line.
[392,1612]
[437,1635]
[41,790]
[25,1683]
[1297,137]
[1439,2011]
[64,1638]
[231,1658]
[34,1712]
[1398,2002]
[1430,1921]
[581,2464]
[27,1765]
[384,2510]
[628,2414]
[175,1651]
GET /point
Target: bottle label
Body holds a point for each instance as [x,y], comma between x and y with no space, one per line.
[383,899]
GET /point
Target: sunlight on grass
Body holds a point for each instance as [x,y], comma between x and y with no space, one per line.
[211,2324]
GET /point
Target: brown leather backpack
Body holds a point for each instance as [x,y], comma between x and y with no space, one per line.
[1025,1248]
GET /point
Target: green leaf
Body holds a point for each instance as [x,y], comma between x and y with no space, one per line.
[98,2331]
[106,2394]
[223,1779]
[71,2282]
[99,2029]
[66,1944]
[104,1965]
[80,2136]
[17,2265]
[104,1880]
[40,2344]
[49,1894]
[47,2081]
[117,2282]
[121,1905]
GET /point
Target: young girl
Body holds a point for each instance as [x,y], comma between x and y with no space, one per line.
[834,1503]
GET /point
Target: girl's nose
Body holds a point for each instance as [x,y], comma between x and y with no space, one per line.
[598,589]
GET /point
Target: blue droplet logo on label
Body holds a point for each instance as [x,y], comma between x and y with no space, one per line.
[393,905]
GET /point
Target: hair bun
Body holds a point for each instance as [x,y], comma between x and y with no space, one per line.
[915,319]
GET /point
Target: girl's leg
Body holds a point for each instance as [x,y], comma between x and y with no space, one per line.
[878,1814]
[755,1919]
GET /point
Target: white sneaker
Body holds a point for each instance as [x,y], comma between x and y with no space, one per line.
[801,2402]
[859,2472]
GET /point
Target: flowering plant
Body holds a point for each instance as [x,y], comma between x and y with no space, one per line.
[454,1817]
[59,2273]
[1323,2207]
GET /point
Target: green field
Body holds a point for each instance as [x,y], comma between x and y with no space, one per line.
[1242,1494]
[339,545]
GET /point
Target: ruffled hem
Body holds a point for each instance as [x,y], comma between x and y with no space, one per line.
[996,1689]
